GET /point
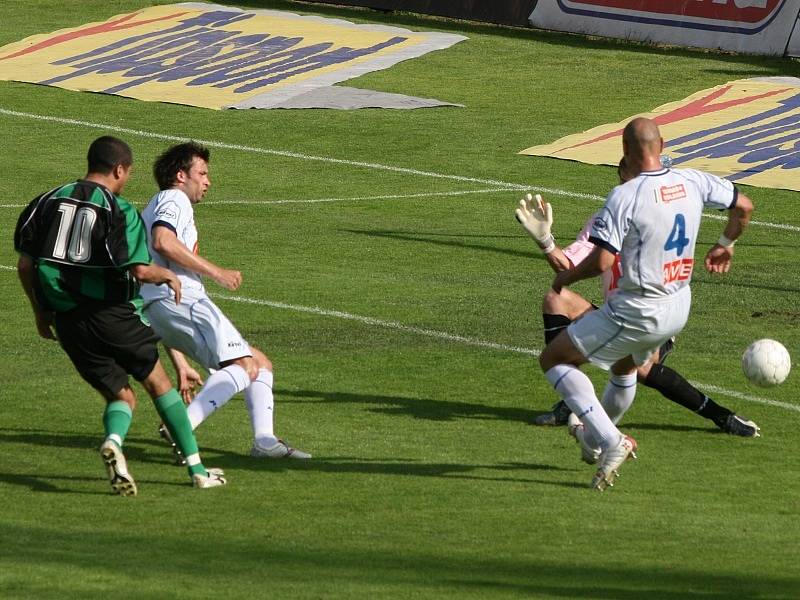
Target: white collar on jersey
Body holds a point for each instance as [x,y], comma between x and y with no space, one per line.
[654,173]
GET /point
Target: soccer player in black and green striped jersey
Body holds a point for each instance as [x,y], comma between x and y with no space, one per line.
[83,253]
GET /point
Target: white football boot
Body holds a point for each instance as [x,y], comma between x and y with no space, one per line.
[279,449]
[213,479]
[611,460]
[117,468]
[590,455]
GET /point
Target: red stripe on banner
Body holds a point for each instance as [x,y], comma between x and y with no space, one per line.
[741,11]
[102,28]
[701,106]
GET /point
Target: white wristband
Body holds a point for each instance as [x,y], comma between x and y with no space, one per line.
[725,242]
[548,246]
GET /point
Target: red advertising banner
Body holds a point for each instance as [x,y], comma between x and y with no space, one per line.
[750,26]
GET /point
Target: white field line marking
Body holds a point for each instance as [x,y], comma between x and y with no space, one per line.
[432,194]
[257,150]
[386,197]
[450,337]
[759,223]
[253,149]
[718,390]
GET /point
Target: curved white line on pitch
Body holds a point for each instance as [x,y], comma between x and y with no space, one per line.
[381,323]
[257,150]
[377,166]
[718,390]
[385,197]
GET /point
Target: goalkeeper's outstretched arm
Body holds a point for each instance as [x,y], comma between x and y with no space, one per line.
[536,218]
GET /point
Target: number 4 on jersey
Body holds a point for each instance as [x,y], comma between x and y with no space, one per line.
[677,239]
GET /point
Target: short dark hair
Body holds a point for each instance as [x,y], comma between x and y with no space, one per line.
[175,159]
[106,153]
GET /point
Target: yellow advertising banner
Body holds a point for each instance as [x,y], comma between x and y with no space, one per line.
[747,131]
[211,56]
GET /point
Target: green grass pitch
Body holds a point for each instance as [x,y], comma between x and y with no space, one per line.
[399,327]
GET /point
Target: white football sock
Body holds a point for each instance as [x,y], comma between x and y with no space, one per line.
[618,395]
[260,405]
[577,391]
[220,387]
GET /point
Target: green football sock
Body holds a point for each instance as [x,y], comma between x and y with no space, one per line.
[117,420]
[172,411]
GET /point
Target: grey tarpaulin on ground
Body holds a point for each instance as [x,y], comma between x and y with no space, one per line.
[347,98]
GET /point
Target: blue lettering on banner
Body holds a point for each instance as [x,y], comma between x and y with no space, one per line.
[197,51]
[762,142]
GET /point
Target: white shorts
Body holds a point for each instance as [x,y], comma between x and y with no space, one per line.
[629,326]
[199,329]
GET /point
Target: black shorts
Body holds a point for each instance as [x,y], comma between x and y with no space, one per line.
[106,343]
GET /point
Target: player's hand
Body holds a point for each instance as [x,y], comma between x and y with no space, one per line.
[44,324]
[561,281]
[189,381]
[718,259]
[230,280]
[175,285]
[536,217]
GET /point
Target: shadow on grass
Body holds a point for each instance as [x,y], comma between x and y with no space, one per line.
[435,239]
[136,451]
[418,408]
[670,427]
[46,483]
[509,472]
[246,561]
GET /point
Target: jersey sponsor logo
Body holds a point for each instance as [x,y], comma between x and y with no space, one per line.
[167,213]
[745,131]
[670,193]
[678,270]
[731,16]
[212,56]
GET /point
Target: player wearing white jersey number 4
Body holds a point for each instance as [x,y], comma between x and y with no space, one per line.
[652,222]
[196,326]
[559,310]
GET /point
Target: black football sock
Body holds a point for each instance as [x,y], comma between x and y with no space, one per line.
[673,386]
[553,324]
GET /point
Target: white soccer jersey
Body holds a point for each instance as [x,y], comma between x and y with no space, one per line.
[172,209]
[652,221]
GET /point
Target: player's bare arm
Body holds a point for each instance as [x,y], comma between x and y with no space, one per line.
[26,271]
[167,244]
[153,273]
[718,259]
[598,262]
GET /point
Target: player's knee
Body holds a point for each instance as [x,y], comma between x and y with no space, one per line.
[262,360]
[251,367]
[552,303]
[125,395]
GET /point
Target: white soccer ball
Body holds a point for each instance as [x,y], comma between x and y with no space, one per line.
[766,363]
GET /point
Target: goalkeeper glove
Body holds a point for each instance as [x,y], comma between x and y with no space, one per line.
[536,217]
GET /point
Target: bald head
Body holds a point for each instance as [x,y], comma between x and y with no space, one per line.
[642,143]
